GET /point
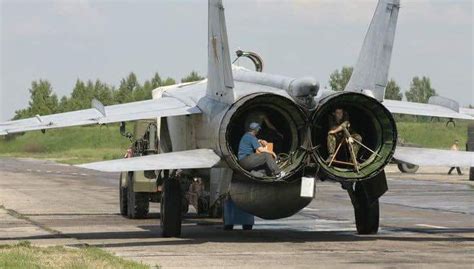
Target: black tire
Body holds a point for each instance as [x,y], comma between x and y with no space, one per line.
[170,209]
[247,227]
[138,203]
[123,198]
[407,168]
[366,215]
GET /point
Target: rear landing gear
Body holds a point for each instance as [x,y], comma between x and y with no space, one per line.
[170,208]
[366,214]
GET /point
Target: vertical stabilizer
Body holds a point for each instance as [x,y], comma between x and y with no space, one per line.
[220,82]
[371,70]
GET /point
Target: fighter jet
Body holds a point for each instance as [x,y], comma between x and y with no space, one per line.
[199,126]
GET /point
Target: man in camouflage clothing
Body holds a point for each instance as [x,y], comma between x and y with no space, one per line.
[338,125]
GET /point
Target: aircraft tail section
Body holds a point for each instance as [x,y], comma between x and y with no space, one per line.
[219,68]
[371,70]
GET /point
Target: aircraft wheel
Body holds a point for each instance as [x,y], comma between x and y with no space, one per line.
[407,168]
[247,227]
[123,201]
[170,208]
[138,203]
[366,215]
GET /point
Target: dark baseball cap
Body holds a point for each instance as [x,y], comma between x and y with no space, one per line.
[255,126]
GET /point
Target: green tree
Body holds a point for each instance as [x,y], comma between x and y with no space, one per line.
[125,91]
[193,76]
[338,80]
[81,95]
[420,90]
[104,93]
[63,104]
[168,81]
[156,81]
[392,91]
[42,100]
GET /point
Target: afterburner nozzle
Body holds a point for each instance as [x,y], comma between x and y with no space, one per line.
[362,146]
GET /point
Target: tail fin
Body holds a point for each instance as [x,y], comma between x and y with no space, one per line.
[371,70]
[219,69]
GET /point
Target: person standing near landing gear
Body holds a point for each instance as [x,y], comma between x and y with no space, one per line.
[455,147]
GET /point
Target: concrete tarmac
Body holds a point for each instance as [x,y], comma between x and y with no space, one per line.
[427,219]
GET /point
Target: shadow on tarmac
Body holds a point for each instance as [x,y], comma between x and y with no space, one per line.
[197,234]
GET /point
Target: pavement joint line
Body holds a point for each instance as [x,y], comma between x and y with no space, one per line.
[18,215]
[431,226]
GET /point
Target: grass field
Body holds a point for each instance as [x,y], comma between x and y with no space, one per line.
[86,144]
[433,134]
[24,256]
[70,145]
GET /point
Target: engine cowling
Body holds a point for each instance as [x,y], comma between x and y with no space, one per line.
[371,120]
[266,197]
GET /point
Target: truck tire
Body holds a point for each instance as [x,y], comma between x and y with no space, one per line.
[123,198]
[366,214]
[138,203]
[170,208]
[407,168]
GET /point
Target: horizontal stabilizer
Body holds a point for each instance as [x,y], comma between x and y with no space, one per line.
[190,159]
[429,110]
[434,157]
[149,109]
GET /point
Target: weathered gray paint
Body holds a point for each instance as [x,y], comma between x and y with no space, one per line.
[219,69]
[371,69]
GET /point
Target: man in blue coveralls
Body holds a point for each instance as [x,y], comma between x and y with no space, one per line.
[253,154]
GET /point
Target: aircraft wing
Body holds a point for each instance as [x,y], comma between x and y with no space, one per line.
[434,157]
[468,111]
[99,114]
[430,110]
[190,159]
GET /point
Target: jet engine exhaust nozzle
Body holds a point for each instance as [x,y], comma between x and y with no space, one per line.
[362,146]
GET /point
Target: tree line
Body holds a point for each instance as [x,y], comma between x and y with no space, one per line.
[44,101]
[420,88]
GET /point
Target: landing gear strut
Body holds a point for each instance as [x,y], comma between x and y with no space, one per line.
[170,208]
[367,214]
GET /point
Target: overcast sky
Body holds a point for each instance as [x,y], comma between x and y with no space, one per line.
[65,40]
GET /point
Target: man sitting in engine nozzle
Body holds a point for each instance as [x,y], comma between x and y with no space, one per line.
[340,128]
[253,155]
